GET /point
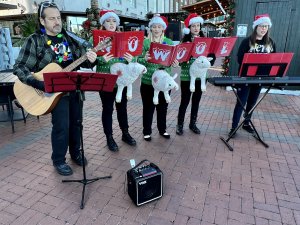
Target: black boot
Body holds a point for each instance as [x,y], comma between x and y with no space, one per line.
[112,145]
[126,137]
[179,129]
[193,126]
[248,128]
[179,126]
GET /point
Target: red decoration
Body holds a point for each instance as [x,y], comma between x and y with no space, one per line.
[86,24]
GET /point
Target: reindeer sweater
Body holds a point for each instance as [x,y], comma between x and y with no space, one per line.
[151,67]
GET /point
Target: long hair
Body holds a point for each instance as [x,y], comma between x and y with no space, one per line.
[151,38]
[266,38]
[189,38]
[161,38]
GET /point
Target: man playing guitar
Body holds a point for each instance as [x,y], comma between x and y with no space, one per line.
[50,43]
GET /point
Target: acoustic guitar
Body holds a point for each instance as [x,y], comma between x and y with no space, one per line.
[37,102]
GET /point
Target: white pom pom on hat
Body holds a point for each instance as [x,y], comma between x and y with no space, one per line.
[186,30]
[191,19]
[263,18]
[105,14]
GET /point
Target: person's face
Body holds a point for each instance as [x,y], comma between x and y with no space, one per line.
[157,30]
[110,24]
[261,30]
[17,30]
[52,21]
[195,28]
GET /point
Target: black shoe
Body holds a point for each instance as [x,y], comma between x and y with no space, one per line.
[248,128]
[112,145]
[63,169]
[165,135]
[230,133]
[126,137]
[179,129]
[147,137]
[78,160]
[194,128]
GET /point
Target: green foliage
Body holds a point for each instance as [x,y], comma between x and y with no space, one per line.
[28,27]
[229,26]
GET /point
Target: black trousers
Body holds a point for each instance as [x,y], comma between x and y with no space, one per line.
[248,95]
[66,128]
[185,100]
[108,99]
[147,93]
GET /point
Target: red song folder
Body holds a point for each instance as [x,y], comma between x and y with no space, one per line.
[222,46]
[201,46]
[219,46]
[166,54]
[122,42]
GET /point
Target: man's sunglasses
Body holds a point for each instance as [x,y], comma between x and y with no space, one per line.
[46,5]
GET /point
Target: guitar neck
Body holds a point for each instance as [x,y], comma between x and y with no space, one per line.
[77,62]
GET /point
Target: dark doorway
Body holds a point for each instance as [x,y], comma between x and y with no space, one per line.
[174,31]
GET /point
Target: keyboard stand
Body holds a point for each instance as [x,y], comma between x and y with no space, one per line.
[246,116]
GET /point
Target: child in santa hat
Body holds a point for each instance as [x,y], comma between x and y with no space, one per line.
[192,29]
[109,20]
[258,42]
[158,24]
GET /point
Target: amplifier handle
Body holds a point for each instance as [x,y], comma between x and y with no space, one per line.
[141,162]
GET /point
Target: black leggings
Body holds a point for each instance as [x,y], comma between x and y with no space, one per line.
[108,99]
[185,99]
[147,92]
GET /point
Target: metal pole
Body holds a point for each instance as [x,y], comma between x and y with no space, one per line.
[222,9]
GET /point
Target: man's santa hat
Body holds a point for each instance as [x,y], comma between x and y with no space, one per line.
[263,18]
[105,14]
[191,19]
[158,19]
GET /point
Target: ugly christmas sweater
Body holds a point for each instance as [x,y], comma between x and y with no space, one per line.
[151,67]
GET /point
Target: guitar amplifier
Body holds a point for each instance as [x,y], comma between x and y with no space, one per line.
[144,183]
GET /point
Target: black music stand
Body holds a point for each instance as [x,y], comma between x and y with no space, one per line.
[260,66]
[246,116]
[80,81]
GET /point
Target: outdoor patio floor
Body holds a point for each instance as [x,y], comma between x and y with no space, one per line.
[204,183]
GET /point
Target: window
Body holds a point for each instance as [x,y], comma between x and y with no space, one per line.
[118,2]
[133,3]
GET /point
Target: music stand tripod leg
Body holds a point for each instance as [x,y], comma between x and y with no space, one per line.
[84,181]
[256,135]
[226,141]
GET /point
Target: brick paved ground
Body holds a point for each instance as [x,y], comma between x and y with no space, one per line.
[204,182]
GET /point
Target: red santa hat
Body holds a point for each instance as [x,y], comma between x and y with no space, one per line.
[263,18]
[158,19]
[105,14]
[191,19]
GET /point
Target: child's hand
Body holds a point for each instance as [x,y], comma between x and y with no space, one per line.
[128,57]
[147,56]
[175,63]
[108,57]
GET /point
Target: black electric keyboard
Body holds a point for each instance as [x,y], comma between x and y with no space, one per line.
[263,81]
